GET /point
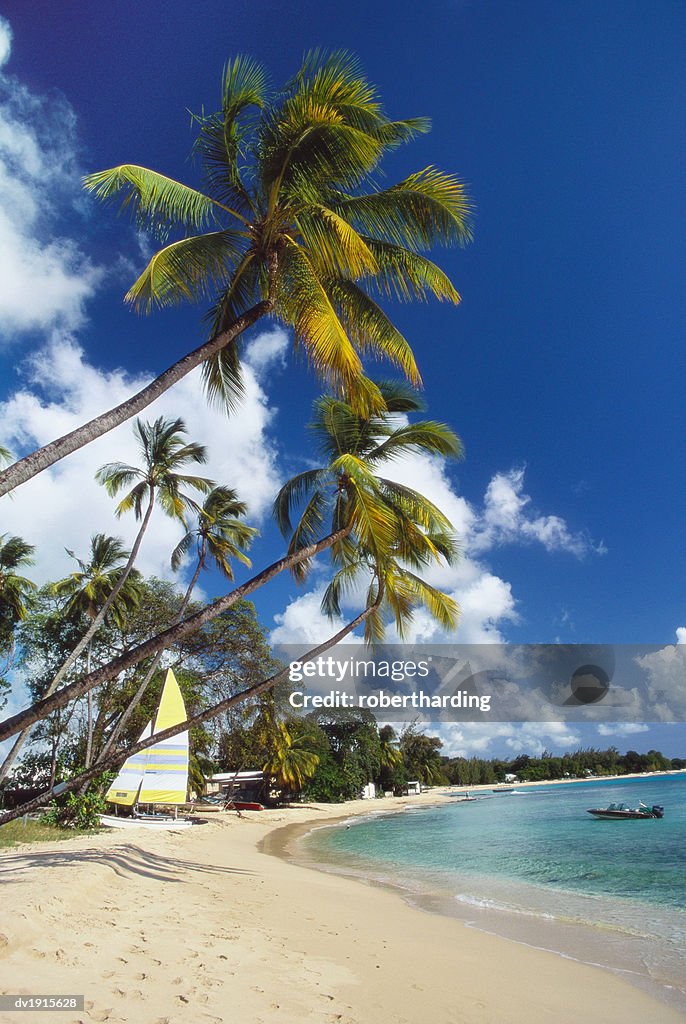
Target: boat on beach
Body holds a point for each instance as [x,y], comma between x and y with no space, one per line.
[614,812]
[156,776]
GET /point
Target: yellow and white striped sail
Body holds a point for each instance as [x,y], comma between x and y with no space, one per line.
[159,774]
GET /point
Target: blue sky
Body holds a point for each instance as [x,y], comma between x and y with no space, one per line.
[562,369]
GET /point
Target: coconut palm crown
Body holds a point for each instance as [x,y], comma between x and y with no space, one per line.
[219,532]
[395,531]
[164,453]
[291,211]
[86,590]
[16,591]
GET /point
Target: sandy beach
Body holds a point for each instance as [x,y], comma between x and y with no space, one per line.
[209,925]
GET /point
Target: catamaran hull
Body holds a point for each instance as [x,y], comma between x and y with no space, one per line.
[164,824]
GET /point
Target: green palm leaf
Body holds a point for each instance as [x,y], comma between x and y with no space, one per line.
[426,207]
[369,328]
[406,275]
[187,270]
[156,203]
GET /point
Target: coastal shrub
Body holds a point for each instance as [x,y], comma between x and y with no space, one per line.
[76,811]
[80,810]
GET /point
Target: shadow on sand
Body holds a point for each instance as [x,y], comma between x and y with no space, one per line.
[123,860]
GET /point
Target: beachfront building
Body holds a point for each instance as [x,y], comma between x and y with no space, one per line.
[246,787]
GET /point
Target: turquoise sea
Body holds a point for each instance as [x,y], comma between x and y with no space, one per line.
[533,866]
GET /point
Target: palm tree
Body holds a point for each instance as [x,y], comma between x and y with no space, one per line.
[86,592]
[290,223]
[391,525]
[163,453]
[291,762]
[15,590]
[220,534]
[89,589]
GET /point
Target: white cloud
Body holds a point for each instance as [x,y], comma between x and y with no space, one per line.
[45,279]
[621,728]
[480,739]
[5,41]
[507,519]
[62,506]
[304,624]
[681,634]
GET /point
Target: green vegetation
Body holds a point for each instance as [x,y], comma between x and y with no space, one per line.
[580,764]
[15,832]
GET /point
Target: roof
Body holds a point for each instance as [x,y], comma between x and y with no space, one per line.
[252,776]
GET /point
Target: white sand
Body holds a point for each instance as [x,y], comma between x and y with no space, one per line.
[201,926]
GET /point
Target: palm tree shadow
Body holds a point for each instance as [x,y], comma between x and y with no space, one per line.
[123,860]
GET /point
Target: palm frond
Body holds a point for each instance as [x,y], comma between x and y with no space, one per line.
[428,207]
[407,275]
[222,373]
[345,580]
[133,500]
[307,531]
[303,303]
[369,328]
[443,608]
[188,270]
[429,437]
[181,550]
[114,476]
[221,138]
[293,493]
[156,203]
[334,247]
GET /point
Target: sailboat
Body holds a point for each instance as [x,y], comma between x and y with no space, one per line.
[156,775]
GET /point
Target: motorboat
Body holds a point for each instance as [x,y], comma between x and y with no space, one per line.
[615,812]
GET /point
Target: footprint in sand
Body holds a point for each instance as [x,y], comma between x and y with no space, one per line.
[100,1015]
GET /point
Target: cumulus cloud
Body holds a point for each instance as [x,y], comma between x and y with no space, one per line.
[507,518]
[45,279]
[50,511]
[478,739]
[621,728]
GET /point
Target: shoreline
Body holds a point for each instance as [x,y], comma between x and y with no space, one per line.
[561,935]
[213,924]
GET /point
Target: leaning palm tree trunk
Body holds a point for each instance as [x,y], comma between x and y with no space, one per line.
[117,757]
[42,708]
[84,642]
[49,454]
[137,697]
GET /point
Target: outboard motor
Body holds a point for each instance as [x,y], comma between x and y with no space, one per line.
[658,812]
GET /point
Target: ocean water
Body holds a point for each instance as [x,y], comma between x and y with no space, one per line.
[533,866]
